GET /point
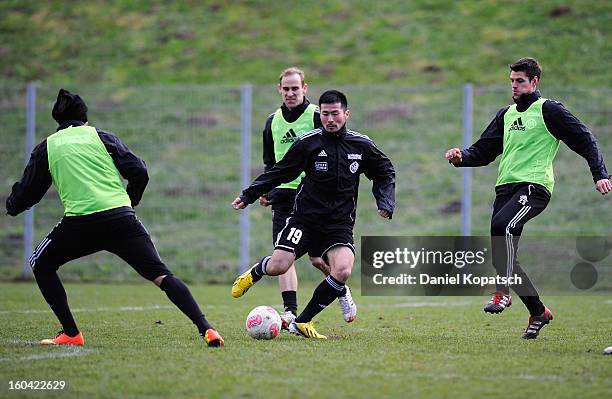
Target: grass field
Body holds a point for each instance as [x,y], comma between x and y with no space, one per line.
[437,42]
[166,76]
[415,347]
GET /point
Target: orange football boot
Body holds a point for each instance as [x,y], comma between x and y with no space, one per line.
[62,339]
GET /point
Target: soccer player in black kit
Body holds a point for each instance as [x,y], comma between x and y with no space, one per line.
[295,117]
[332,157]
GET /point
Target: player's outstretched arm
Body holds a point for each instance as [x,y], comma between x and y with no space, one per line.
[603,186]
[576,135]
[284,171]
[485,149]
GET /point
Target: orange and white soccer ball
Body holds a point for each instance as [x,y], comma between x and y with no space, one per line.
[263,322]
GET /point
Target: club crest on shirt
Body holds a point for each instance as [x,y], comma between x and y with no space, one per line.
[354,166]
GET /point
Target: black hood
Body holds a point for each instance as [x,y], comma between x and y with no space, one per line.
[68,107]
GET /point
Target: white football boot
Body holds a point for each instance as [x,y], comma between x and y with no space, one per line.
[349,309]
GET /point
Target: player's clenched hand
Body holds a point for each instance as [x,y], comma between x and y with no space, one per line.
[263,201]
[384,213]
[603,186]
[238,204]
[453,156]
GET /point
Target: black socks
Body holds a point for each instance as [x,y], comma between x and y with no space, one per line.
[323,295]
[53,291]
[259,270]
[180,295]
[290,301]
[533,304]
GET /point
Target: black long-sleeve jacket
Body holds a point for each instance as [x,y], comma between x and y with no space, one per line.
[36,178]
[333,163]
[560,123]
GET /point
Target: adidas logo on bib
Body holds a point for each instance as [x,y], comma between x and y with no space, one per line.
[517,125]
[289,137]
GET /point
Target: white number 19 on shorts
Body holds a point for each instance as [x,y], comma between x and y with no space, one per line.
[294,235]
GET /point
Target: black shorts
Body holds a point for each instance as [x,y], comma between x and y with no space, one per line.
[282,200]
[126,237]
[279,219]
[300,238]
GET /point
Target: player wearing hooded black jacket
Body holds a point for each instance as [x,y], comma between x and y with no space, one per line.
[85,165]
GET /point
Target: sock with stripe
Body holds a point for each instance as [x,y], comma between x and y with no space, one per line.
[323,296]
[260,269]
[290,301]
[53,291]
[179,294]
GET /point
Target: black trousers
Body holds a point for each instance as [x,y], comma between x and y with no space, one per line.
[124,236]
[515,204]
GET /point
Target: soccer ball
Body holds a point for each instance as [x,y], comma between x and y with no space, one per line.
[263,322]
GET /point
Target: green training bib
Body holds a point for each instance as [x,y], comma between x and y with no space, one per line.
[529,148]
[83,172]
[284,134]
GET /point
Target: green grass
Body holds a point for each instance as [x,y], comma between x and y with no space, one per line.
[438,42]
[166,76]
[398,347]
